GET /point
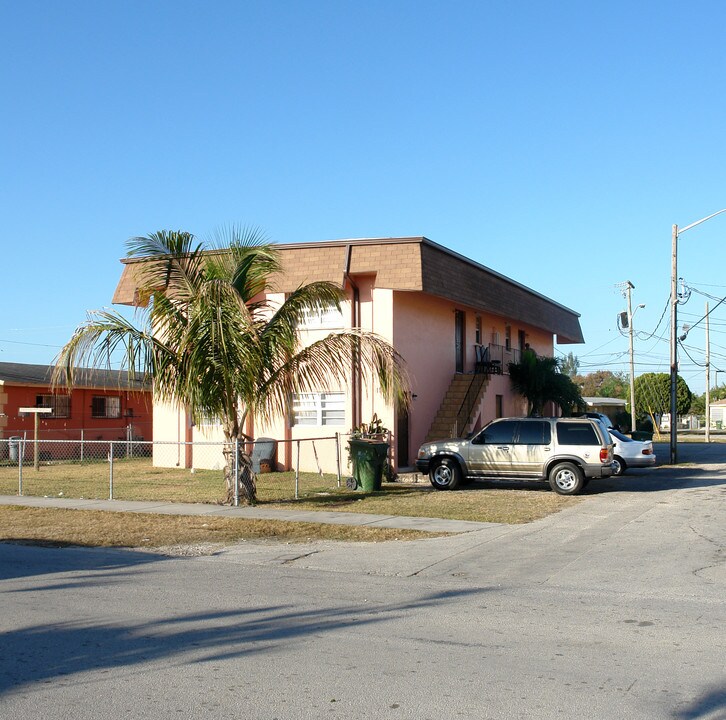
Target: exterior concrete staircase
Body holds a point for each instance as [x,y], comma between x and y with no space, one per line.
[457,408]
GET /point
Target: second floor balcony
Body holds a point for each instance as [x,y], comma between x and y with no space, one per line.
[494,359]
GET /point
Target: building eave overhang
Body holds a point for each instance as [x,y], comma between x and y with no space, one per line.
[439,271]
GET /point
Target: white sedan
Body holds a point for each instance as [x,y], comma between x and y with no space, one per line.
[630,453]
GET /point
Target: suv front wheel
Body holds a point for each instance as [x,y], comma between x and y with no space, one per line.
[566,479]
[445,474]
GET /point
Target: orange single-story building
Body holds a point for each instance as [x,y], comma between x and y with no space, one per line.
[104,405]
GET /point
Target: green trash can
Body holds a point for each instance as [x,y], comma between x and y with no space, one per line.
[368,458]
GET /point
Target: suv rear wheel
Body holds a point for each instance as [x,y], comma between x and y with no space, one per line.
[566,479]
[445,474]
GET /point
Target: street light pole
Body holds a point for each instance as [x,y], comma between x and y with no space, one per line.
[674,349]
[708,381]
[674,324]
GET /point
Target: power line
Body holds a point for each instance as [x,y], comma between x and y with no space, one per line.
[20,342]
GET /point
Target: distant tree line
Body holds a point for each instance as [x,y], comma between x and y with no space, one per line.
[652,390]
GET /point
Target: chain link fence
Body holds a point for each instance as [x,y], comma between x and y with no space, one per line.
[133,469]
[136,430]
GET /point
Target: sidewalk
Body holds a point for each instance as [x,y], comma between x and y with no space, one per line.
[434,525]
[711,457]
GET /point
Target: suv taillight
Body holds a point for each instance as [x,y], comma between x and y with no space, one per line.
[604,455]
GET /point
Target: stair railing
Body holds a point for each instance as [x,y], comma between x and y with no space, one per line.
[463,417]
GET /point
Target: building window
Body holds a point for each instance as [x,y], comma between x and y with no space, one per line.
[59,404]
[499,400]
[106,406]
[210,422]
[327,318]
[508,337]
[477,333]
[318,409]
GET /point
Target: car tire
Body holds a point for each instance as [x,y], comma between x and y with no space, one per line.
[445,474]
[566,478]
[619,465]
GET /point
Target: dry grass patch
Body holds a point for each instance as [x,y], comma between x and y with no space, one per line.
[507,504]
[97,528]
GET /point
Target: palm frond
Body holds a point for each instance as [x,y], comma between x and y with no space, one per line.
[218,347]
[327,364]
[95,343]
[173,263]
[244,258]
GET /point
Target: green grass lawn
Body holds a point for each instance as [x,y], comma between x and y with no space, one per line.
[137,479]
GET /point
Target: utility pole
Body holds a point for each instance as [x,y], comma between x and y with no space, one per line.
[629,287]
[626,287]
[708,381]
[674,346]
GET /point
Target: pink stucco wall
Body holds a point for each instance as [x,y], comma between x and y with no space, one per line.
[422,329]
[424,333]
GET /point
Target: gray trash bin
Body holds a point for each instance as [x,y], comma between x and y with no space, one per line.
[264,453]
[14,448]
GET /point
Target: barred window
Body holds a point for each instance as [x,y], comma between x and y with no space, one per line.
[106,406]
[318,409]
[59,404]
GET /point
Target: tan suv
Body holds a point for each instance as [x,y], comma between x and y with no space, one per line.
[567,452]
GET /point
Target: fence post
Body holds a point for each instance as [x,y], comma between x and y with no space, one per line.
[110,464]
[337,454]
[21,452]
[82,444]
[297,471]
[235,468]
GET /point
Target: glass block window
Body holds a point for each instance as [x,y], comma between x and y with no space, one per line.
[328,318]
[318,409]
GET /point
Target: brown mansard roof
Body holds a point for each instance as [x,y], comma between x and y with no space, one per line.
[409,264]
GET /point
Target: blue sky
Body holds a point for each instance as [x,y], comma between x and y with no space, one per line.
[555,142]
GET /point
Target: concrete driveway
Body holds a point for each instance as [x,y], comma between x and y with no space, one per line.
[614,608]
[665,520]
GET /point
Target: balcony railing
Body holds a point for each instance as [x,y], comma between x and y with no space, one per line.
[494,359]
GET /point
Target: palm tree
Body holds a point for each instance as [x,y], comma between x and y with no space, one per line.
[213,344]
[539,380]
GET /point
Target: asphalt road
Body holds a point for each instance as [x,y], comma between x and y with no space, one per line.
[611,609]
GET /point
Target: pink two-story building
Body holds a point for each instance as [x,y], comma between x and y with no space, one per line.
[457,324]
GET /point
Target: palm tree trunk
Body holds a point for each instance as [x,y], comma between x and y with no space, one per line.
[245,482]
